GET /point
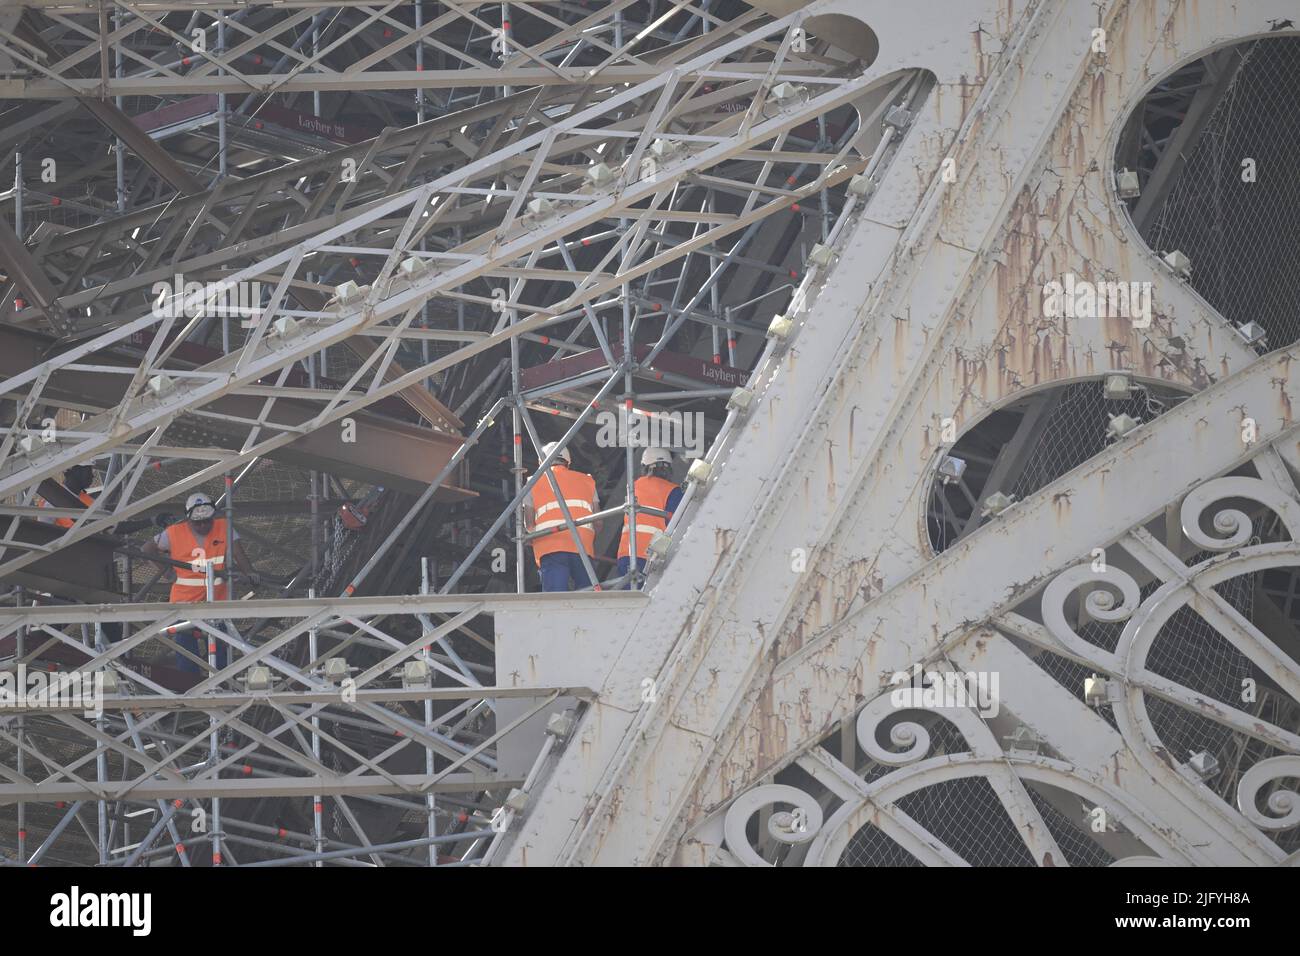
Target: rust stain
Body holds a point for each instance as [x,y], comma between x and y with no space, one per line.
[1283,396]
[1061,505]
[830,471]
[900,341]
[772,734]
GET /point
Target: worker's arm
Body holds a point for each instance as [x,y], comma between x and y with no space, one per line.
[674,499]
[529,517]
[152,551]
[595,506]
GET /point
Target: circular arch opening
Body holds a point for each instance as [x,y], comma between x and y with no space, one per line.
[1028,443]
[1207,167]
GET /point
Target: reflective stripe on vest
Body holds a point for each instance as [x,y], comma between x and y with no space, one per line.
[184,545]
[650,491]
[217,563]
[579,491]
[573,504]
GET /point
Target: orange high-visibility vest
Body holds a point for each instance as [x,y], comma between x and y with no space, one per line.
[649,491]
[191,583]
[66,522]
[579,490]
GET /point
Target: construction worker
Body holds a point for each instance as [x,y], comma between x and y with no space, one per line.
[200,539]
[76,479]
[654,489]
[558,559]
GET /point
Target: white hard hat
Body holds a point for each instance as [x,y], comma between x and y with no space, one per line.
[551,446]
[655,456]
[199,507]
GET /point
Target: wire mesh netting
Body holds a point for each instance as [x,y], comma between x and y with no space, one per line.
[967,816]
[1282,586]
[1241,233]
[1066,427]
[872,847]
[1191,652]
[1067,831]
[1075,430]
[1188,651]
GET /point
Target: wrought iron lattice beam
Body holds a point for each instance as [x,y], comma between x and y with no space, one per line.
[397,300]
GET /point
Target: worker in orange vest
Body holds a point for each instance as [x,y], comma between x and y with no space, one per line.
[557,555]
[654,489]
[202,540]
[76,479]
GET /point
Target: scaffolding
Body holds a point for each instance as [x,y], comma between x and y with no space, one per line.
[596,212]
[619,200]
[364,273]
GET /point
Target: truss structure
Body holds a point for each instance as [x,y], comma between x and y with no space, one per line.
[171,753]
[826,229]
[549,177]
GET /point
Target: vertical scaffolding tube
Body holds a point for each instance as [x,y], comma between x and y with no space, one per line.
[101,761]
[228,561]
[505,50]
[629,357]
[315,53]
[517,454]
[430,802]
[18,195]
[400,528]
[630,457]
[313,497]
[209,574]
[22,736]
[317,829]
[713,299]
[419,66]
[118,153]
[826,196]
[544,464]
[221,100]
[560,500]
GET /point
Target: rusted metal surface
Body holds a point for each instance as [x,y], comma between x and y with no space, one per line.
[850,660]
